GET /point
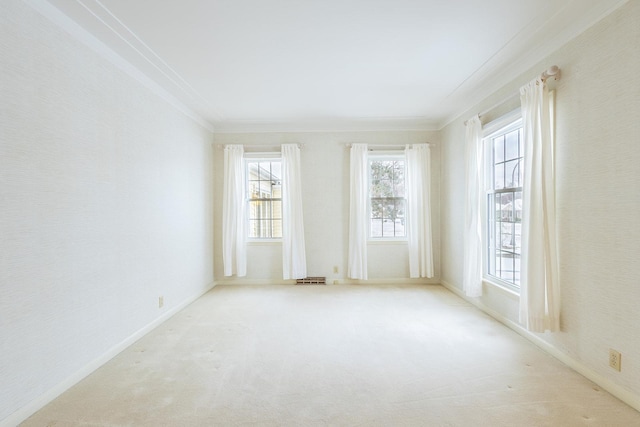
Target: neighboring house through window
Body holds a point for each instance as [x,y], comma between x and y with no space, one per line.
[504,175]
[264,198]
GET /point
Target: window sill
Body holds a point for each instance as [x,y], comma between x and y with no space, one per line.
[267,242]
[389,241]
[503,289]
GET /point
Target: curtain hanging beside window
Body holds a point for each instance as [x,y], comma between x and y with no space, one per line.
[294,262]
[234,223]
[472,273]
[539,293]
[358,221]
[418,187]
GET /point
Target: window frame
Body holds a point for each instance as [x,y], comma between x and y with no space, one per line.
[256,158]
[384,156]
[501,126]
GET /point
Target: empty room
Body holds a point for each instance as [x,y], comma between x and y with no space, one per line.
[319,213]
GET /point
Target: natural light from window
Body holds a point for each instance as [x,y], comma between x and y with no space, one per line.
[504,204]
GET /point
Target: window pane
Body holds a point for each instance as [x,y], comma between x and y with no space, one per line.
[376,209]
[254,189]
[389,209]
[400,209]
[512,145]
[265,228]
[512,172]
[276,172]
[276,231]
[254,208]
[254,226]
[276,209]
[399,227]
[517,204]
[387,190]
[520,142]
[498,149]
[384,188]
[504,208]
[499,176]
[507,238]
[264,191]
[264,169]
[376,228]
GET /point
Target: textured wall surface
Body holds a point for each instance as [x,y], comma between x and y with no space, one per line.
[598,171]
[105,204]
[325,186]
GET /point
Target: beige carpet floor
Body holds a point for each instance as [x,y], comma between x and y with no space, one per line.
[334,356]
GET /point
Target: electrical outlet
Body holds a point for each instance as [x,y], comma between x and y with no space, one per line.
[160,301]
[335,268]
[615,359]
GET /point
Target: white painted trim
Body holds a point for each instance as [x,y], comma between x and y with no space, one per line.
[41,401]
[83,36]
[616,390]
[392,281]
[239,281]
[378,124]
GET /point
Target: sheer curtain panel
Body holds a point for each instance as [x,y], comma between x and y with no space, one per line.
[539,288]
[418,187]
[294,262]
[234,224]
[358,218]
[472,270]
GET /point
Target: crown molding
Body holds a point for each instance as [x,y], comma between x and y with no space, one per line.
[378,124]
[74,29]
[493,78]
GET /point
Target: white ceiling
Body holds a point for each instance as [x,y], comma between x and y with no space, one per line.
[255,65]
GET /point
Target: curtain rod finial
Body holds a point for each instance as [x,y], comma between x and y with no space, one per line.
[553,71]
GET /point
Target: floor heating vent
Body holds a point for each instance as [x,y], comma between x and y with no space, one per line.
[312,281]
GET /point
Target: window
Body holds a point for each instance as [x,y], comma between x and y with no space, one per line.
[504,155]
[264,198]
[387,196]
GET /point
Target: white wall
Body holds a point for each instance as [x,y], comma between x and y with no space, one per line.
[325,185]
[598,171]
[105,204]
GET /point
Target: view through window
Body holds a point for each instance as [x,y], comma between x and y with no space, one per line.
[264,198]
[387,196]
[504,204]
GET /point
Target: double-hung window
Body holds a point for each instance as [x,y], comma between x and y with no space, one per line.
[264,197]
[387,197]
[503,228]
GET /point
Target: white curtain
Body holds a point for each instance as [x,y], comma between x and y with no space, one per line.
[418,186]
[234,225]
[539,289]
[472,270]
[358,221]
[294,262]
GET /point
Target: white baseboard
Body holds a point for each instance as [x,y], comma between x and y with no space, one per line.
[391,281]
[618,391]
[38,403]
[331,281]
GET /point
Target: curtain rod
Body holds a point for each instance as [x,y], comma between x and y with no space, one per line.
[553,71]
[387,146]
[258,146]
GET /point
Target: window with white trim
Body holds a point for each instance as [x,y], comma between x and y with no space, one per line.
[264,198]
[503,229]
[387,197]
